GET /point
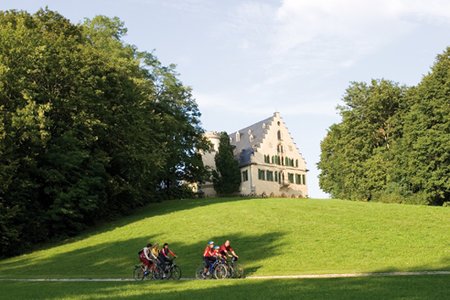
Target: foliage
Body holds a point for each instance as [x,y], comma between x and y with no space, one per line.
[393,143]
[423,155]
[356,152]
[227,176]
[90,127]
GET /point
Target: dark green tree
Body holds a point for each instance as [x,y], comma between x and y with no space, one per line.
[227,176]
[356,157]
[422,162]
[89,126]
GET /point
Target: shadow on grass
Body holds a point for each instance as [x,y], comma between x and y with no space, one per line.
[117,259]
[445,262]
[408,287]
[150,210]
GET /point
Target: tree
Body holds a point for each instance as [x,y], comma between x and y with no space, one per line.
[393,143]
[89,126]
[356,156]
[227,176]
[423,156]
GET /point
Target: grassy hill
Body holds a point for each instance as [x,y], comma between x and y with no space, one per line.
[272,236]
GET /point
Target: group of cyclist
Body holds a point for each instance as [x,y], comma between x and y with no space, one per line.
[213,253]
[151,256]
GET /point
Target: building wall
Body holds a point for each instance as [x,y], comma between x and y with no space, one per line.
[208,160]
[276,142]
[269,139]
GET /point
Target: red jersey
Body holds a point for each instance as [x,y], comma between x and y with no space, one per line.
[223,249]
[209,252]
[165,252]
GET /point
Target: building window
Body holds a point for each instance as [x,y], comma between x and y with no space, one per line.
[261,174]
[296,163]
[267,159]
[279,135]
[298,179]
[269,176]
[276,176]
[291,177]
[304,179]
[238,136]
[245,176]
[251,138]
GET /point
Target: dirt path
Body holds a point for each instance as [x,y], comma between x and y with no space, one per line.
[304,276]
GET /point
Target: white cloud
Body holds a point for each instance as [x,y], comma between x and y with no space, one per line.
[287,50]
[323,36]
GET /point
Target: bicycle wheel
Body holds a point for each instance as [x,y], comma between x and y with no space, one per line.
[199,272]
[157,273]
[220,272]
[238,271]
[231,272]
[138,273]
[175,273]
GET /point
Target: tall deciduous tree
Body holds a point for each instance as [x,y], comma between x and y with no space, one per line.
[227,176]
[89,126]
[393,144]
[356,159]
[423,155]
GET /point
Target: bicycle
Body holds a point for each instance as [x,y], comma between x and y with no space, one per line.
[217,270]
[235,270]
[171,271]
[154,272]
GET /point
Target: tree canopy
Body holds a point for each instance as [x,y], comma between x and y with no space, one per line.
[90,127]
[393,143]
[227,176]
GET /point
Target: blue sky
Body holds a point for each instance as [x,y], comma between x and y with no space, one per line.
[247,59]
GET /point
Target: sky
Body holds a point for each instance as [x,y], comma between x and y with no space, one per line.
[247,59]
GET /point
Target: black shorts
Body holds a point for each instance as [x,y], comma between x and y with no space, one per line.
[209,260]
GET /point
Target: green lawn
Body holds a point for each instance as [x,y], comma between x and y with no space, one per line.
[408,287]
[272,236]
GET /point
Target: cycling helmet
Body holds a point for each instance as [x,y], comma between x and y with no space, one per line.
[210,243]
[216,247]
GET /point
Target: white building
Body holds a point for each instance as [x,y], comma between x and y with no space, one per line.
[270,162]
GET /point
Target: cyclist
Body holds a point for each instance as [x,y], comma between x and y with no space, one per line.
[165,256]
[145,257]
[208,257]
[226,251]
[217,255]
[155,252]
